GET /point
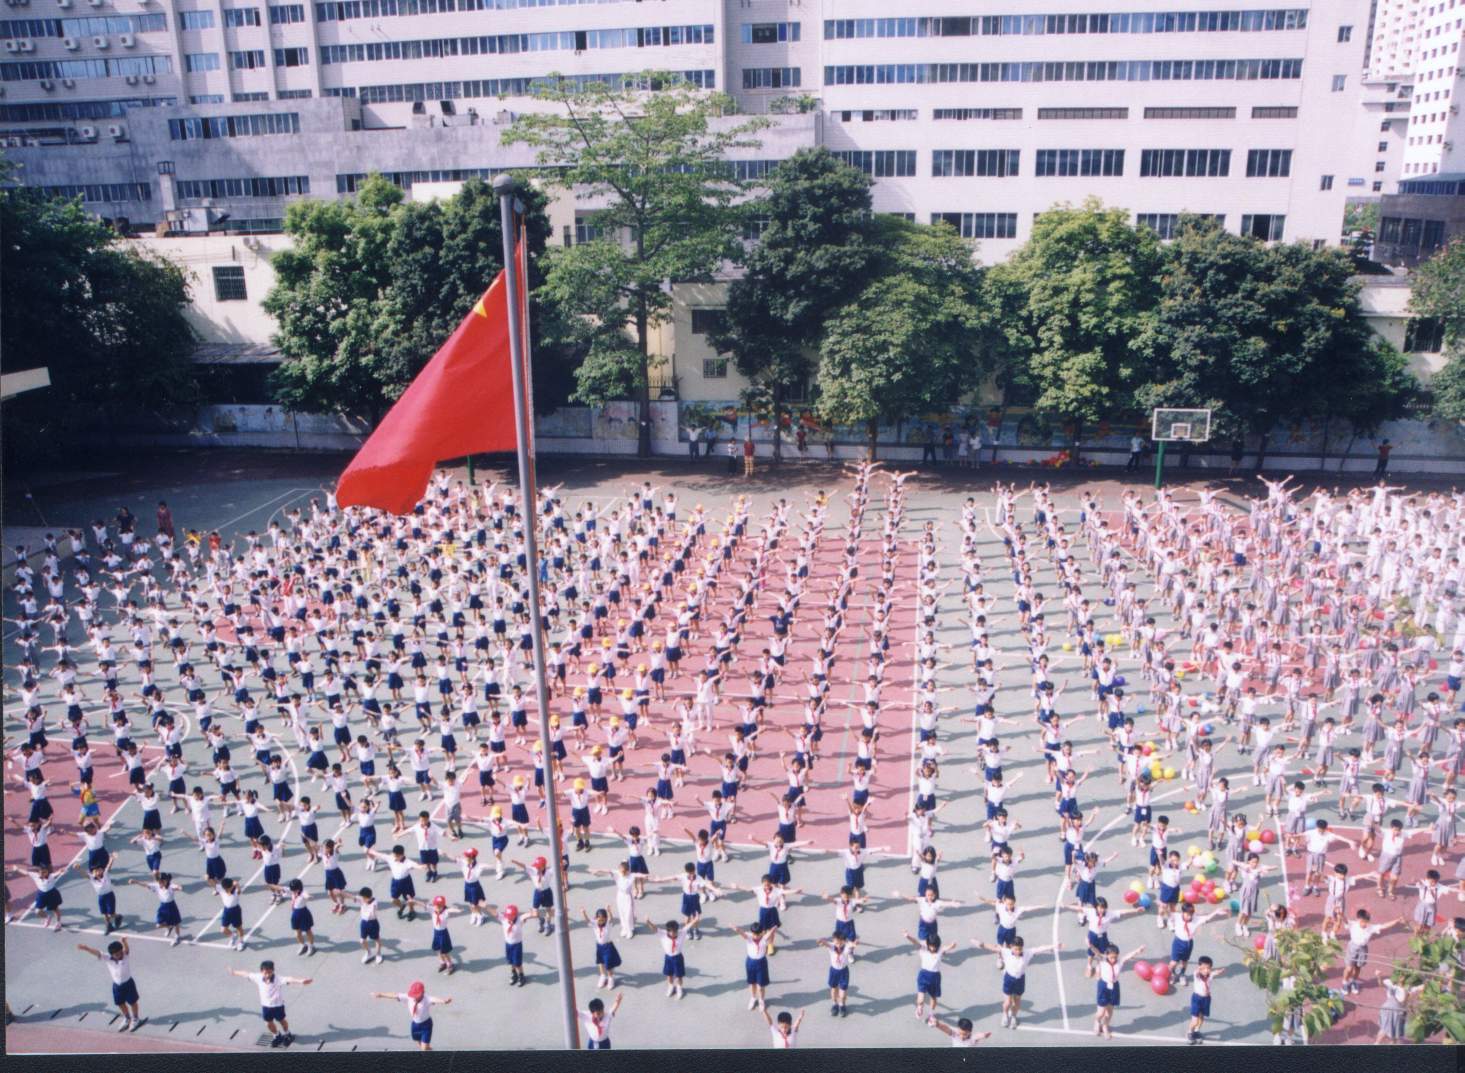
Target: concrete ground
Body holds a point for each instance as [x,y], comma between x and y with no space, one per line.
[192,1001]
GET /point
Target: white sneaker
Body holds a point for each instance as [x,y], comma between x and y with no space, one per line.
[377,960]
[752,1002]
[304,948]
[176,939]
[671,990]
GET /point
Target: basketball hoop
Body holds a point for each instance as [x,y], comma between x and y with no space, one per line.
[1175,425]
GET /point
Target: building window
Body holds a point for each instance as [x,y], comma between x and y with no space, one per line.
[979,224]
[229,283]
[195,20]
[1339,81]
[1384,126]
[1192,163]
[254,186]
[587,229]
[1084,113]
[1163,224]
[1377,187]
[295,94]
[1274,111]
[292,57]
[282,14]
[253,95]
[1424,335]
[194,62]
[771,77]
[1345,33]
[976,113]
[1412,234]
[1070,162]
[714,368]
[1268,163]
[203,98]
[1190,113]
[235,126]
[753,228]
[986,163]
[881,163]
[241,16]
[706,321]
[879,115]
[1267,227]
[247,59]
[769,33]
[1326,183]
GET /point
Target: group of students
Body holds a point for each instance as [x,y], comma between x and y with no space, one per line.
[367,646]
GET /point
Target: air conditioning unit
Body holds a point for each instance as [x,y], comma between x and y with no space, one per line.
[71,43]
[117,132]
[12,45]
[149,79]
[100,41]
[95,3]
[132,80]
[47,84]
[87,134]
[63,3]
[127,40]
[1449,147]
[68,83]
[13,143]
[27,45]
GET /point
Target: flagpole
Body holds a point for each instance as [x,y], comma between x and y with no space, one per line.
[510,208]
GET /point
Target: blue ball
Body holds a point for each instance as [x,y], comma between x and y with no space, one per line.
[1145,901]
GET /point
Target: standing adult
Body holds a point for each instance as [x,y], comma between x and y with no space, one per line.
[1382,465]
[1136,451]
[165,519]
[750,452]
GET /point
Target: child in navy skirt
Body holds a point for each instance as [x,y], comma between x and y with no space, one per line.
[607,957]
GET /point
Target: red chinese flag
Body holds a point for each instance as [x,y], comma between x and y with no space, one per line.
[461,403]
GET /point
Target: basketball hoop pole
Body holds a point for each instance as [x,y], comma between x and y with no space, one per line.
[1160,465]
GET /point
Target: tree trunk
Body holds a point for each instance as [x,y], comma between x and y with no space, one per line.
[1073,443]
[873,427]
[1343,461]
[1327,427]
[643,389]
[1261,451]
[777,422]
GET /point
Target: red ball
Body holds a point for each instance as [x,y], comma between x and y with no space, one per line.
[1434,664]
[1131,896]
[1208,888]
[1160,983]
[1269,836]
[1143,969]
[1188,897]
[1197,883]
[1259,941]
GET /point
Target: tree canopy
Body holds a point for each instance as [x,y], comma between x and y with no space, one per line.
[1263,335]
[1438,291]
[649,156]
[912,339]
[812,256]
[106,320]
[373,285]
[1074,297]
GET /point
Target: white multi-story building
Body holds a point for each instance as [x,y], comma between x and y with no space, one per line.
[186,111]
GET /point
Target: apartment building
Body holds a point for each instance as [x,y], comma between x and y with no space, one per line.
[215,113]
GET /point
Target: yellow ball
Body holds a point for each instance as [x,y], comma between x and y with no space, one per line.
[1192,852]
[1137,887]
[1253,836]
[1169,773]
[1068,646]
[1180,676]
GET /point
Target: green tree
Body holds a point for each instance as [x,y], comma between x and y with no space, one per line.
[106,320]
[1438,291]
[1433,967]
[812,257]
[1264,336]
[913,339]
[651,154]
[1296,980]
[1074,298]
[372,286]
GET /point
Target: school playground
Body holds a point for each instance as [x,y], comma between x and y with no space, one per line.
[60,998]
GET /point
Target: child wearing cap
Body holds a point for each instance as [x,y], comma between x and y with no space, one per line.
[419,1005]
[508,918]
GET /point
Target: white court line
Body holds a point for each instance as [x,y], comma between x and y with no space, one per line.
[1173,1040]
[292,492]
[115,934]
